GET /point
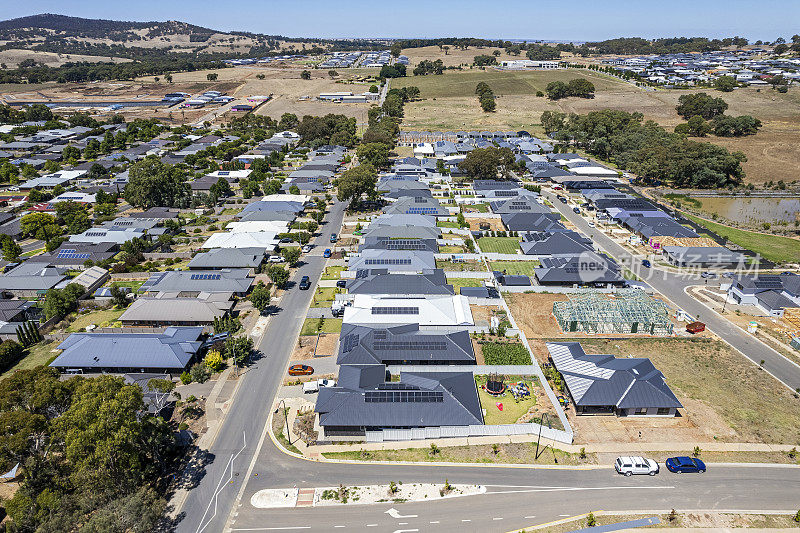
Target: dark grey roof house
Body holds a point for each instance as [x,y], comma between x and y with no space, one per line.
[403,345]
[532,221]
[602,384]
[555,244]
[74,254]
[220,258]
[379,281]
[520,204]
[363,401]
[417,205]
[386,243]
[587,269]
[193,282]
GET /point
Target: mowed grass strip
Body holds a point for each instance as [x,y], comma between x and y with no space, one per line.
[499,245]
[772,247]
[524,268]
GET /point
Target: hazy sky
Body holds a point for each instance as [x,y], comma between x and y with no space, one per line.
[576,19]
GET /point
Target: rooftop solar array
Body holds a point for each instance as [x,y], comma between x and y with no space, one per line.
[379,335]
[349,342]
[72,254]
[403,397]
[206,276]
[768,282]
[403,244]
[387,261]
[395,310]
[409,345]
[422,211]
[505,193]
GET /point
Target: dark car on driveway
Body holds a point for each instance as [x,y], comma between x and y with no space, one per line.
[342,283]
[305,284]
[681,465]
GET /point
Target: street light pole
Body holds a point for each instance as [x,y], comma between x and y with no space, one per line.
[286,421]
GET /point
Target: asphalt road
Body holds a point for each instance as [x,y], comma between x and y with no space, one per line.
[208,504]
[516,497]
[673,286]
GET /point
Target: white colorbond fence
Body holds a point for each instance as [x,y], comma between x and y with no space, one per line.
[467,274]
[444,432]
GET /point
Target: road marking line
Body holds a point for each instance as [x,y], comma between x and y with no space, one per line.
[531,516]
[466,520]
[563,515]
[496,518]
[215,497]
[271,528]
[372,525]
[435,522]
[572,489]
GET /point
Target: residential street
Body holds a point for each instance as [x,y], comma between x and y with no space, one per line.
[673,287]
[208,504]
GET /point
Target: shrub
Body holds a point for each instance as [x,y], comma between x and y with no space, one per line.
[186,378]
[10,353]
[214,360]
[199,373]
[496,353]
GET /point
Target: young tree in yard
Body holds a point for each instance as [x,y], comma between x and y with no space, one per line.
[259,297]
[312,226]
[376,154]
[40,226]
[278,275]
[357,181]
[291,254]
[11,250]
[239,348]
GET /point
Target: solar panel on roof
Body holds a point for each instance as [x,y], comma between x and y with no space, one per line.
[349,342]
[395,310]
[409,345]
[380,334]
[403,397]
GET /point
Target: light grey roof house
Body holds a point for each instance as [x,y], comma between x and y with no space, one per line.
[697,256]
[169,311]
[31,279]
[411,205]
[606,384]
[193,282]
[386,243]
[393,260]
[169,352]
[219,258]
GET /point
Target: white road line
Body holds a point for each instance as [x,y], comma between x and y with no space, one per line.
[563,515]
[435,522]
[372,525]
[215,497]
[271,528]
[531,516]
[338,526]
[573,489]
[466,520]
[496,518]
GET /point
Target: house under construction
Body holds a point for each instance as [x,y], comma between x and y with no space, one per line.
[623,311]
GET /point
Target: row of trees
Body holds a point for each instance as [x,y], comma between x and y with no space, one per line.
[647,149]
[579,87]
[485,97]
[427,66]
[705,114]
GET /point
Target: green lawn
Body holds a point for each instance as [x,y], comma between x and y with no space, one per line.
[457,283]
[446,224]
[39,354]
[329,325]
[505,353]
[465,266]
[771,247]
[333,272]
[451,249]
[525,268]
[102,318]
[480,208]
[500,245]
[32,253]
[323,297]
[132,285]
[512,409]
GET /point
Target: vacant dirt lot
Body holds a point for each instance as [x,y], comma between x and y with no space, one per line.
[454,56]
[725,397]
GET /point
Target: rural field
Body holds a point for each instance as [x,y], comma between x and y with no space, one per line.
[448,103]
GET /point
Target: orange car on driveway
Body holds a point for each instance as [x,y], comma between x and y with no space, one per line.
[300,370]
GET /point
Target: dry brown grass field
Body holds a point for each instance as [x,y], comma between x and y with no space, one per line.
[448,103]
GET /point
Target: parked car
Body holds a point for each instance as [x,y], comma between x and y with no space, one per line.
[310,386]
[576,210]
[681,465]
[326,253]
[306,248]
[305,283]
[300,370]
[562,199]
[708,275]
[695,327]
[646,263]
[276,259]
[326,383]
[591,224]
[285,240]
[341,283]
[635,465]
[333,237]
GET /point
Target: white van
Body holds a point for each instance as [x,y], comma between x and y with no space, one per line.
[635,465]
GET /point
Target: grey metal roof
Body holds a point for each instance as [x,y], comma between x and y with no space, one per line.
[172,310]
[396,345]
[519,204]
[379,281]
[234,280]
[393,260]
[698,255]
[32,276]
[555,243]
[172,349]
[604,380]
[417,205]
[405,231]
[386,243]
[419,399]
[227,258]
[586,268]
[531,221]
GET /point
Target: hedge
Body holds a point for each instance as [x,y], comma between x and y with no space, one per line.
[506,353]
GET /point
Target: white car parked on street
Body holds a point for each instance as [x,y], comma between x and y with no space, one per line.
[635,465]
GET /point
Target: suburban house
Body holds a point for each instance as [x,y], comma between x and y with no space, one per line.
[770,293]
[427,311]
[379,281]
[392,260]
[191,283]
[222,258]
[555,244]
[702,257]
[403,345]
[531,221]
[604,384]
[588,268]
[31,280]
[363,400]
[417,205]
[75,255]
[386,243]
[13,313]
[169,352]
[166,310]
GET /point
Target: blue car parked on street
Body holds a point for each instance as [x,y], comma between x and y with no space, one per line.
[681,465]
